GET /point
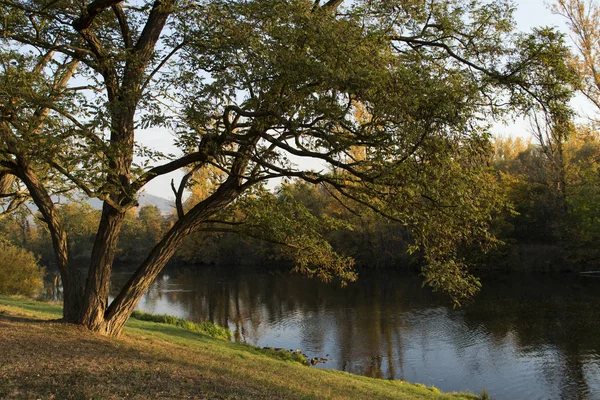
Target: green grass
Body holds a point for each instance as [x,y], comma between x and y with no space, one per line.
[41,309]
[205,328]
[161,360]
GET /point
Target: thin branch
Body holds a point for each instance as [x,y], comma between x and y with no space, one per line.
[449,51]
[92,11]
[122,18]
[89,192]
[336,198]
[332,5]
[168,168]
[160,65]
[179,192]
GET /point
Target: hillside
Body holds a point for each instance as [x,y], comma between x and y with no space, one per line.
[44,359]
[165,206]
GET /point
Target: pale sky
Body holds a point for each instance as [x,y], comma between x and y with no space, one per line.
[529,14]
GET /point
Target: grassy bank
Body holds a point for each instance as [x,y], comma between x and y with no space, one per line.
[44,359]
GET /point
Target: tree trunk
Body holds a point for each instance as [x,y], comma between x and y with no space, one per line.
[6,181]
[71,279]
[98,279]
[122,306]
[95,300]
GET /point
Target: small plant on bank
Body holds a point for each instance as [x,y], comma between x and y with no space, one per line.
[20,273]
[205,328]
[285,355]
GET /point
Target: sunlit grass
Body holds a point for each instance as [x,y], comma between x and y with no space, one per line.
[206,327]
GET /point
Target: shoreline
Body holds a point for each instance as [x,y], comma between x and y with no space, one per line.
[42,358]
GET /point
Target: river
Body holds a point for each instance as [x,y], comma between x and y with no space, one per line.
[523,336]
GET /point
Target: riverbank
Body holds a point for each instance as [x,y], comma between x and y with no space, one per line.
[44,359]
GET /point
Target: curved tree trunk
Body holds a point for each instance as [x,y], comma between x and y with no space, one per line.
[122,306]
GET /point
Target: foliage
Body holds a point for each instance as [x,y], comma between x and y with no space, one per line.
[285,355]
[582,227]
[540,216]
[142,230]
[289,223]
[205,328]
[523,173]
[81,221]
[582,19]
[484,395]
[19,271]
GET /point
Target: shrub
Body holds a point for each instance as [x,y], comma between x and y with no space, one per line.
[285,355]
[205,328]
[19,271]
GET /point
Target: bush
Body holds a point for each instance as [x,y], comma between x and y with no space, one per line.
[205,328]
[19,271]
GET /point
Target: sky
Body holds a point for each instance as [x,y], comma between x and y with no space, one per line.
[529,14]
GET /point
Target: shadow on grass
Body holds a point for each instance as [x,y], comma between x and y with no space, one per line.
[14,318]
[41,308]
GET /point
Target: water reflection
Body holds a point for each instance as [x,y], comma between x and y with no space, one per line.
[52,286]
[523,337]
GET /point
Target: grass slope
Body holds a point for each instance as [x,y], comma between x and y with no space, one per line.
[49,360]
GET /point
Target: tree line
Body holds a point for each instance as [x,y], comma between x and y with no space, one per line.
[545,209]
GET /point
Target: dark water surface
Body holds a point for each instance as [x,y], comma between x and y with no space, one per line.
[524,337]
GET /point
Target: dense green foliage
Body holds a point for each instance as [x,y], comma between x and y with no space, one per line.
[545,213]
[19,271]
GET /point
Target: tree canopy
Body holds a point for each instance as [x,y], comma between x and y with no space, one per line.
[392,98]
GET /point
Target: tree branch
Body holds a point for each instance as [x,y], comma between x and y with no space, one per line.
[122,18]
[169,167]
[81,185]
[92,11]
[160,65]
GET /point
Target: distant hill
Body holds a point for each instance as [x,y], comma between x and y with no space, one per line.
[165,206]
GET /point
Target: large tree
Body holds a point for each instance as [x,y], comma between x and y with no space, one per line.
[393,99]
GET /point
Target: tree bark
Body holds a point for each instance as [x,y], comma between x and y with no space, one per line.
[6,181]
[98,280]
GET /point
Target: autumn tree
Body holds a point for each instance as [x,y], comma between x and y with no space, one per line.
[141,231]
[582,227]
[583,18]
[250,88]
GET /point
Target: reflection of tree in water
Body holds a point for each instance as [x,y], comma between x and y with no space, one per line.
[555,313]
[52,286]
[248,303]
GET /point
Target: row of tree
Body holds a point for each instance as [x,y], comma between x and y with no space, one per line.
[556,205]
[549,206]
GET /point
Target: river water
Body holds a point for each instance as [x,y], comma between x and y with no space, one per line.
[524,337]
